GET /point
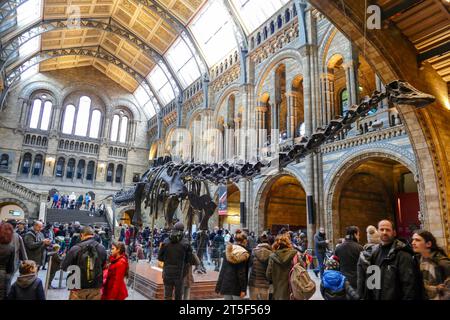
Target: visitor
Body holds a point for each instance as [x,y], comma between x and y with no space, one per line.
[114,287]
[189,278]
[334,284]
[90,257]
[36,244]
[348,253]
[92,209]
[28,286]
[79,202]
[279,266]
[72,200]
[434,266]
[373,239]
[258,283]
[233,277]
[21,228]
[56,260]
[7,256]
[321,246]
[55,200]
[399,279]
[20,253]
[227,236]
[252,241]
[87,201]
[218,247]
[176,254]
[101,210]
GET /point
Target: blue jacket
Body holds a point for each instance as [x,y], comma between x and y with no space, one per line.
[333,280]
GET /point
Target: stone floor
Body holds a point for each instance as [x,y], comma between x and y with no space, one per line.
[63,294]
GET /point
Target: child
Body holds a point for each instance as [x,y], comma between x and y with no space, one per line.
[28,286]
[334,285]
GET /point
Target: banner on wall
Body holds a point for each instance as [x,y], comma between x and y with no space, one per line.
[223,203]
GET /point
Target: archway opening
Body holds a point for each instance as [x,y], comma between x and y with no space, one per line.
[280,101]
[299,110]
[230,219]
[285,205]
[376,189]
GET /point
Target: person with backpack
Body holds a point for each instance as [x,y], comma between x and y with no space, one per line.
[258,283]
[176,255]
[434,266]
[279,266]
[114,287]
[28,286]
[233,277]
[334,284]
[90,257]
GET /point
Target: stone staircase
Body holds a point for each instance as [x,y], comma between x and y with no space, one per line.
[82,216]
[19,190]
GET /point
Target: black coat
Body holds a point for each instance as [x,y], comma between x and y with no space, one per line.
[27,287]
[176,254]
[34,246]
[6,268]
[218,247]
[233,276]
[320,244]
[399,276]
[348,254]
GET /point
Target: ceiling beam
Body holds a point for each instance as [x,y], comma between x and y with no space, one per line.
[10,47]
[7,8]
[402,6]
[97,52]
[177,25]
[437,51]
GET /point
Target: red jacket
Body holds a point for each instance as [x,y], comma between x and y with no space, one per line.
[114,288]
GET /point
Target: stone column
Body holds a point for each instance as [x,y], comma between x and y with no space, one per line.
[290,98]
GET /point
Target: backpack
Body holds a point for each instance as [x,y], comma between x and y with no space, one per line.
[300,284]
[90,265]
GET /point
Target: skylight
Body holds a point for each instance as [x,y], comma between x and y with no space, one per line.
[183,63]
[145,101]
[28,12]
[160,83]
[253,13]
[213,29]
[30,47]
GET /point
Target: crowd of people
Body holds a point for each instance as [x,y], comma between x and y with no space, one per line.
[74,202]
[268,267]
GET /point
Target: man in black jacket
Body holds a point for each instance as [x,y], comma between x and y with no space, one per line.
[35,243]
[321,245]
[91,280]
[176,254]
[348,254]
[397,270]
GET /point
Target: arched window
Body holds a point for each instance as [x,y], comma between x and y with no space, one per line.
[35,113]
[115,128]
[279,22]
[83,116]
[37,168]
[109,173]
[82,120]
[123,129]
[4,161]
[69,116]
[95,124]
[26,163]
[90,171]
[70,168]
[60,167]
[344,101]
[272,27]
[41,112]
[287,16]
[119,173]
[80,169]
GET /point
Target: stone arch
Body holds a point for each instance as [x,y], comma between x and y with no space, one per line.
[262,189]
[89,89]
[352,160]
[30,88]
[223,98]
[17,202]
[129,106]
[275,61]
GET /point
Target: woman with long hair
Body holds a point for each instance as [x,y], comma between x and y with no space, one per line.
[6,258]
[280,263]
[434,265]
[114,287]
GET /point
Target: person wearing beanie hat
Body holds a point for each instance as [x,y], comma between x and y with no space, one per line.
[258,284]
[176,255]
[334,285]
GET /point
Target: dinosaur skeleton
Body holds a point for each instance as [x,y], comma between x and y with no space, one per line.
[166,184]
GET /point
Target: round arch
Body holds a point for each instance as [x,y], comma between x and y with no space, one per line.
[17,202]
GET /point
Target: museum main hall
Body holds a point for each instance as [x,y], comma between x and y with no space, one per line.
[255,117]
